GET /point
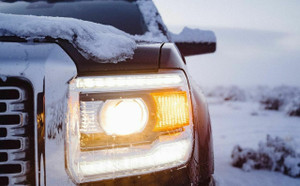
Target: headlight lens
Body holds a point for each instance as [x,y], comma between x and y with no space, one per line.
[123,116]
[127,125]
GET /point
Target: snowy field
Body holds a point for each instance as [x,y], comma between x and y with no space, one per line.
[257,44]
[244,123]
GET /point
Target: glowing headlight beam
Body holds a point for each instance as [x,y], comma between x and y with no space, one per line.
[123,116]
[105,83]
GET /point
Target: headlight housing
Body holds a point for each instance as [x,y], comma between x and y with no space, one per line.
[125,125]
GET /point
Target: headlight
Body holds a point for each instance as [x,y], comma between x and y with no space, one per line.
[127,125]
[123,116]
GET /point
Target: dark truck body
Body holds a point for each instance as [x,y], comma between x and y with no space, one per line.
[148,58]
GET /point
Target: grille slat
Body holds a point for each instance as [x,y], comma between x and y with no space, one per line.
[16,131]
[19,180]
[17,156]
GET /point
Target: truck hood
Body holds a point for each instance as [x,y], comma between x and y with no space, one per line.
[145,58]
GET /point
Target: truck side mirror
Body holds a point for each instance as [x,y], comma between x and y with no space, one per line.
[194,41]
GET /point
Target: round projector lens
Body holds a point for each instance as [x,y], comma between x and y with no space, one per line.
[123,116]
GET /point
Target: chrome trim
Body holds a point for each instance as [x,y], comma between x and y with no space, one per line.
[14,132]
[48,68]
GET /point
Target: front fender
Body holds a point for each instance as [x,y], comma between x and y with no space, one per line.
[202,162]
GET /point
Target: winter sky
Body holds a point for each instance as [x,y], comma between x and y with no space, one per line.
[258,42]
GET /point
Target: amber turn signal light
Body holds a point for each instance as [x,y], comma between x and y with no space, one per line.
[172,110]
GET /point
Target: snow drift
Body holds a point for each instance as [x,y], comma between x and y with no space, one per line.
[91,39]
[275,154]
[281,98]
[232,93]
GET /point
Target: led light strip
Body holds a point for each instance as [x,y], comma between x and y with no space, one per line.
[160,156]
[129,81]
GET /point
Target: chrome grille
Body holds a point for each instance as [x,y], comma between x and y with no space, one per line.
[16,133]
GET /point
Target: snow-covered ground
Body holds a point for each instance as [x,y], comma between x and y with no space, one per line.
[246,124]
[257,44]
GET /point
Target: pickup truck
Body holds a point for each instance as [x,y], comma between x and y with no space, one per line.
[66,119]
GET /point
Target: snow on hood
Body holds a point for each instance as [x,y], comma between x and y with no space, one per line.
[93,40]
[194,35]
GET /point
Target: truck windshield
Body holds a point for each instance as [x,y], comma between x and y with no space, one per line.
[123,15]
